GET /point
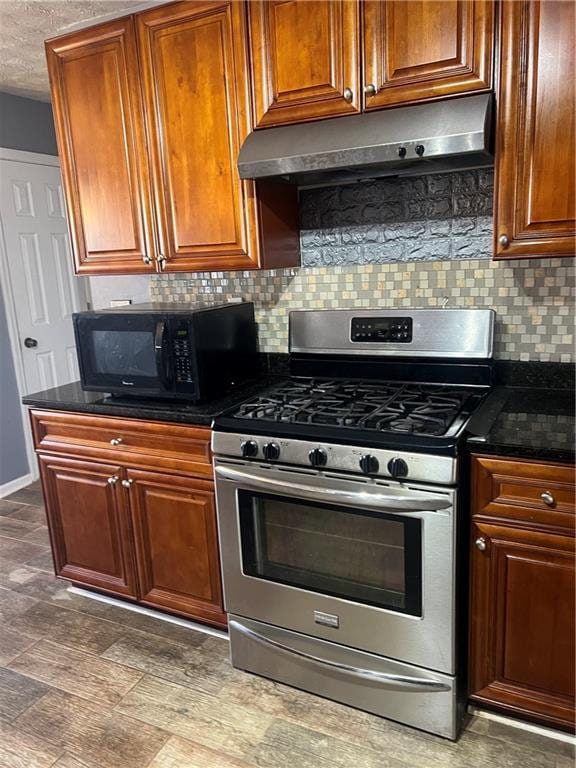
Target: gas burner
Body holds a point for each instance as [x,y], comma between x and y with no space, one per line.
[425,409]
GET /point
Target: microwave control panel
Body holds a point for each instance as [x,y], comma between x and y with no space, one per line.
[182,355]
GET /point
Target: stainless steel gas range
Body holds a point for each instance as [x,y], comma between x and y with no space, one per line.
[339,508]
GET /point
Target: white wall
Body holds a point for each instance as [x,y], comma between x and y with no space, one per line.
[103,289]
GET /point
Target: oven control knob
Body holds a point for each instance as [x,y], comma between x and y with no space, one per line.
[271,451]
[317,457]
[249,449]
[369,464]
[398,468]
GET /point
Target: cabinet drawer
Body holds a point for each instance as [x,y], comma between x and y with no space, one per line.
[151,445]
[534,492]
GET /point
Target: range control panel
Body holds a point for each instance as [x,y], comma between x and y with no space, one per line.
[182,355]
[395,330]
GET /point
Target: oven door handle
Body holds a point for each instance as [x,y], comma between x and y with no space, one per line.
[391,502]
[386,679]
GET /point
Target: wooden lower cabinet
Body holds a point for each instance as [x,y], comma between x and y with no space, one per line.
[176,540]
[89,522]
[119,525]
[522,639]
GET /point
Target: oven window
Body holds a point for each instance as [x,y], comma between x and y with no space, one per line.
[124,353]
[358,555]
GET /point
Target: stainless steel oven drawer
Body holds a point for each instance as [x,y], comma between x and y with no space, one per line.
[402,692]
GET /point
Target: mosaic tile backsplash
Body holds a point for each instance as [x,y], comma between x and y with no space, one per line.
[402,243]
[533,300]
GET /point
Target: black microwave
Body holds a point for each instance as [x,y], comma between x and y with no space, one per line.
[194,353]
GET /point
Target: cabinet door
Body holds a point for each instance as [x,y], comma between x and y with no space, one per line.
[177,545]
[536,150]
[522,623]
[89,524]
[416,50]
[196,89]
[305,58]
[99,123]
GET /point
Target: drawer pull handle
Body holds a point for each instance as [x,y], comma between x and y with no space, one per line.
[480,544]
[116,441]
[112,480]
[127,483]
[548,499]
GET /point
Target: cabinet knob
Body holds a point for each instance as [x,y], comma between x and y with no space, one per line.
[548,498]
[480,543]
[127,483]
[370,89]
[116,441]
[146,259]
[112,480]
[348,95]
[161,261]
[504,240]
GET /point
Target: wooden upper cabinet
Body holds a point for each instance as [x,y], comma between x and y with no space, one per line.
[197,96]
[99,123]
[415,50]
[305,59]
[536,150]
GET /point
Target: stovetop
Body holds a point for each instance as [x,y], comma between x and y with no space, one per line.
[405,408]
[417,416]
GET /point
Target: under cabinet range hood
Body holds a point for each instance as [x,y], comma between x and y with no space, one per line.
[448,135]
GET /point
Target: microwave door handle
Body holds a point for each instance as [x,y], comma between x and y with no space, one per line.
[160,350]
[385,502]
[386,679]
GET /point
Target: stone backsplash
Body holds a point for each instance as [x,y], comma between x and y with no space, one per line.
[402,243]
[420,218]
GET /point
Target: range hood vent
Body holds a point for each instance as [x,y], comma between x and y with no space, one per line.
[448,135]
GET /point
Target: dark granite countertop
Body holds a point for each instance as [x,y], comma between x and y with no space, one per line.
[71,397]
[528,423]
[534,419]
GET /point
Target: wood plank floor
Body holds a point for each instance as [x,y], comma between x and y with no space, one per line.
[88,685]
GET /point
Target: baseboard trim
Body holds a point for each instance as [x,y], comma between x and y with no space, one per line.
[16,485]
[187,624]
[522,725]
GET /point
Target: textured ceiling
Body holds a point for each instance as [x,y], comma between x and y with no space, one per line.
[25,24]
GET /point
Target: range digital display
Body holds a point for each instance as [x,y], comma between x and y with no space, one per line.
[393,330]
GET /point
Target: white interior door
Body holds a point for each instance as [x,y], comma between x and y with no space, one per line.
[44,290]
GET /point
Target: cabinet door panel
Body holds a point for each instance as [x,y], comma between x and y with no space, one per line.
[89,524]
[426,49]
[197,103]
[98,115]
[305,55]
[536,152]
[177,545]
[522,628]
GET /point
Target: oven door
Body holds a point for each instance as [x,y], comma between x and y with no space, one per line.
[359,562]
[123,353]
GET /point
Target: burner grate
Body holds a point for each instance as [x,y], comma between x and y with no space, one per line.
[425,409]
